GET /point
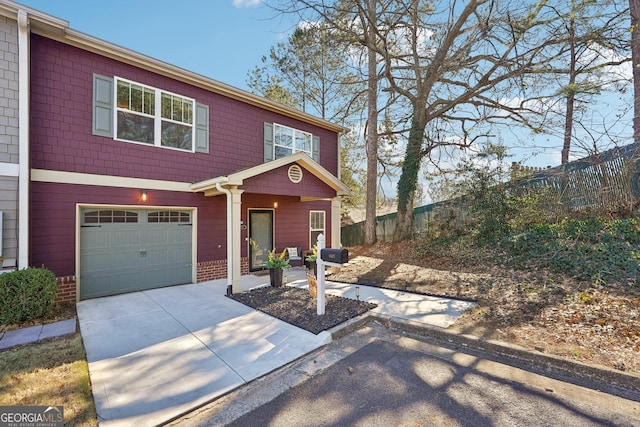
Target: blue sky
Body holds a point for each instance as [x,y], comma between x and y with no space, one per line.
[220,39]
[224,40]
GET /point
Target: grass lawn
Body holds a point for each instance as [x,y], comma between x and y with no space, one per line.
[49,373]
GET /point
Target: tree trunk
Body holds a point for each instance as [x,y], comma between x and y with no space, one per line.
[409,177]
[372,139]
[634,9]
[571,95]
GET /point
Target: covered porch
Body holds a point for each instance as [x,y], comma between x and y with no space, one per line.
[296,176]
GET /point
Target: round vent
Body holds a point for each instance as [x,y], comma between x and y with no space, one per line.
[295,173]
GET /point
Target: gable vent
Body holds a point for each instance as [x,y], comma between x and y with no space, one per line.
[295,173]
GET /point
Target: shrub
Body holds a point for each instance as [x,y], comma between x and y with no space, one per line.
[27,294]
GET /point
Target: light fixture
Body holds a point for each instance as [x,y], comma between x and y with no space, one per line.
[275,205]
[358,293]
[143,195]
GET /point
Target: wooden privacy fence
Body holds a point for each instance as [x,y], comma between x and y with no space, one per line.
[605,182]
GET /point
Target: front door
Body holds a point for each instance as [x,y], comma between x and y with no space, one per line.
[260,237]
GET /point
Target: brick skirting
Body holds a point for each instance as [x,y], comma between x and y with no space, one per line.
[212,270]
[66,289]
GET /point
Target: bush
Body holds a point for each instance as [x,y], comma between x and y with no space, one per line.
[27,294]
[592,250]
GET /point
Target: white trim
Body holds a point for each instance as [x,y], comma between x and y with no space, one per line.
[24,124]
[194,233]
[9,169]
[156,117]
[301,158]
[60,177]
[294,148]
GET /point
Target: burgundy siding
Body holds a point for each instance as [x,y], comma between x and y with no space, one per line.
[277,182]
[53,220]
[291,219]
[61,114]
[61,139]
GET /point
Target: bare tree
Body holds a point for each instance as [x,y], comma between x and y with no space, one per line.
[634,9]
[456,67]
[370,235]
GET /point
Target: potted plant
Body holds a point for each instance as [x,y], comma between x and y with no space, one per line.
[310,261]
[275,264]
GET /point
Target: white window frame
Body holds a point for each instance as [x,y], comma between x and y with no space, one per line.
[294,133]
[157,116]
[323,230]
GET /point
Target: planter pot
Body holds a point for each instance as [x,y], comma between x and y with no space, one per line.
[275,274]
[312,268]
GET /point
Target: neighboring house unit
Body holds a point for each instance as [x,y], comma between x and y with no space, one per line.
[142,174]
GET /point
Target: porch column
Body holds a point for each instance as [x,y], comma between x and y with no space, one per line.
[336,242]
[233,253]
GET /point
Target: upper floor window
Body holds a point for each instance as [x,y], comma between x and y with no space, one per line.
[151,116]
[287,141]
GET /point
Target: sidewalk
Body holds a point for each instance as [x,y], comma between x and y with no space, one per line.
[36,333]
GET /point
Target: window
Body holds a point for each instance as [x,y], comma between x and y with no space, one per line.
[150,116]
[287,141]
[316,225]
[110,217]
[281,141]
[169,216]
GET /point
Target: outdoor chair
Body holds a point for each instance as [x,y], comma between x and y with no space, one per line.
[294,255]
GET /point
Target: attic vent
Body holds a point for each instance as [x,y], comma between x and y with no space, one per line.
[295,173]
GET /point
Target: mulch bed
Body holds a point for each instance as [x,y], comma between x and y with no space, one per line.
[297,307]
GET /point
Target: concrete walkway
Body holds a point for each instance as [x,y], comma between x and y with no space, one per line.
[154,355]
[36,333]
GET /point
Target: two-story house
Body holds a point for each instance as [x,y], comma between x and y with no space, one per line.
[142,174]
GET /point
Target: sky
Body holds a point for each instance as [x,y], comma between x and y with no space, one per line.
[225,40]
[219,39]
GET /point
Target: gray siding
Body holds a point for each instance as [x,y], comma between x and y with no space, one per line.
[9,208]
[9,142]
[9,139]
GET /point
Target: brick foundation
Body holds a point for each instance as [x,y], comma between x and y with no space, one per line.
[212,270]
[66,289]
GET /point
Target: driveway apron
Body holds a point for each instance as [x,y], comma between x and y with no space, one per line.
[154,355]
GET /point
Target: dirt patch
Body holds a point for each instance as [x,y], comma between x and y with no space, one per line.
[599,325]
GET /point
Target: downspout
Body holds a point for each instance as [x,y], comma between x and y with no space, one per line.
[221,189]
[23,138]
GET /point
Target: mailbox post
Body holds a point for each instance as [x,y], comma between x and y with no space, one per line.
[331,258]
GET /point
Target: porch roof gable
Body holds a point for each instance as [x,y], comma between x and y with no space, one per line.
[235,179]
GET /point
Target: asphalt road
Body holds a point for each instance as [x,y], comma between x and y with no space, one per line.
[381,377]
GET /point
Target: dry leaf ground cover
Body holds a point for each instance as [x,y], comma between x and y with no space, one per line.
[49,373]
[595,324]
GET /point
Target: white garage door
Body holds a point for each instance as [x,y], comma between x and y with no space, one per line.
[131,250]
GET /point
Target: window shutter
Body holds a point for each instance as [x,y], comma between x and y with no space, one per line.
[268,142]
[315,148]
[202,128]
[102,106]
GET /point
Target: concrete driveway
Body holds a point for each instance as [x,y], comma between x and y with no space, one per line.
[157,354]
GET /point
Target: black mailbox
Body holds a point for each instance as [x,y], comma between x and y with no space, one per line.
[338,256]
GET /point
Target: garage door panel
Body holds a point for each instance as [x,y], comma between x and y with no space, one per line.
[130,256]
